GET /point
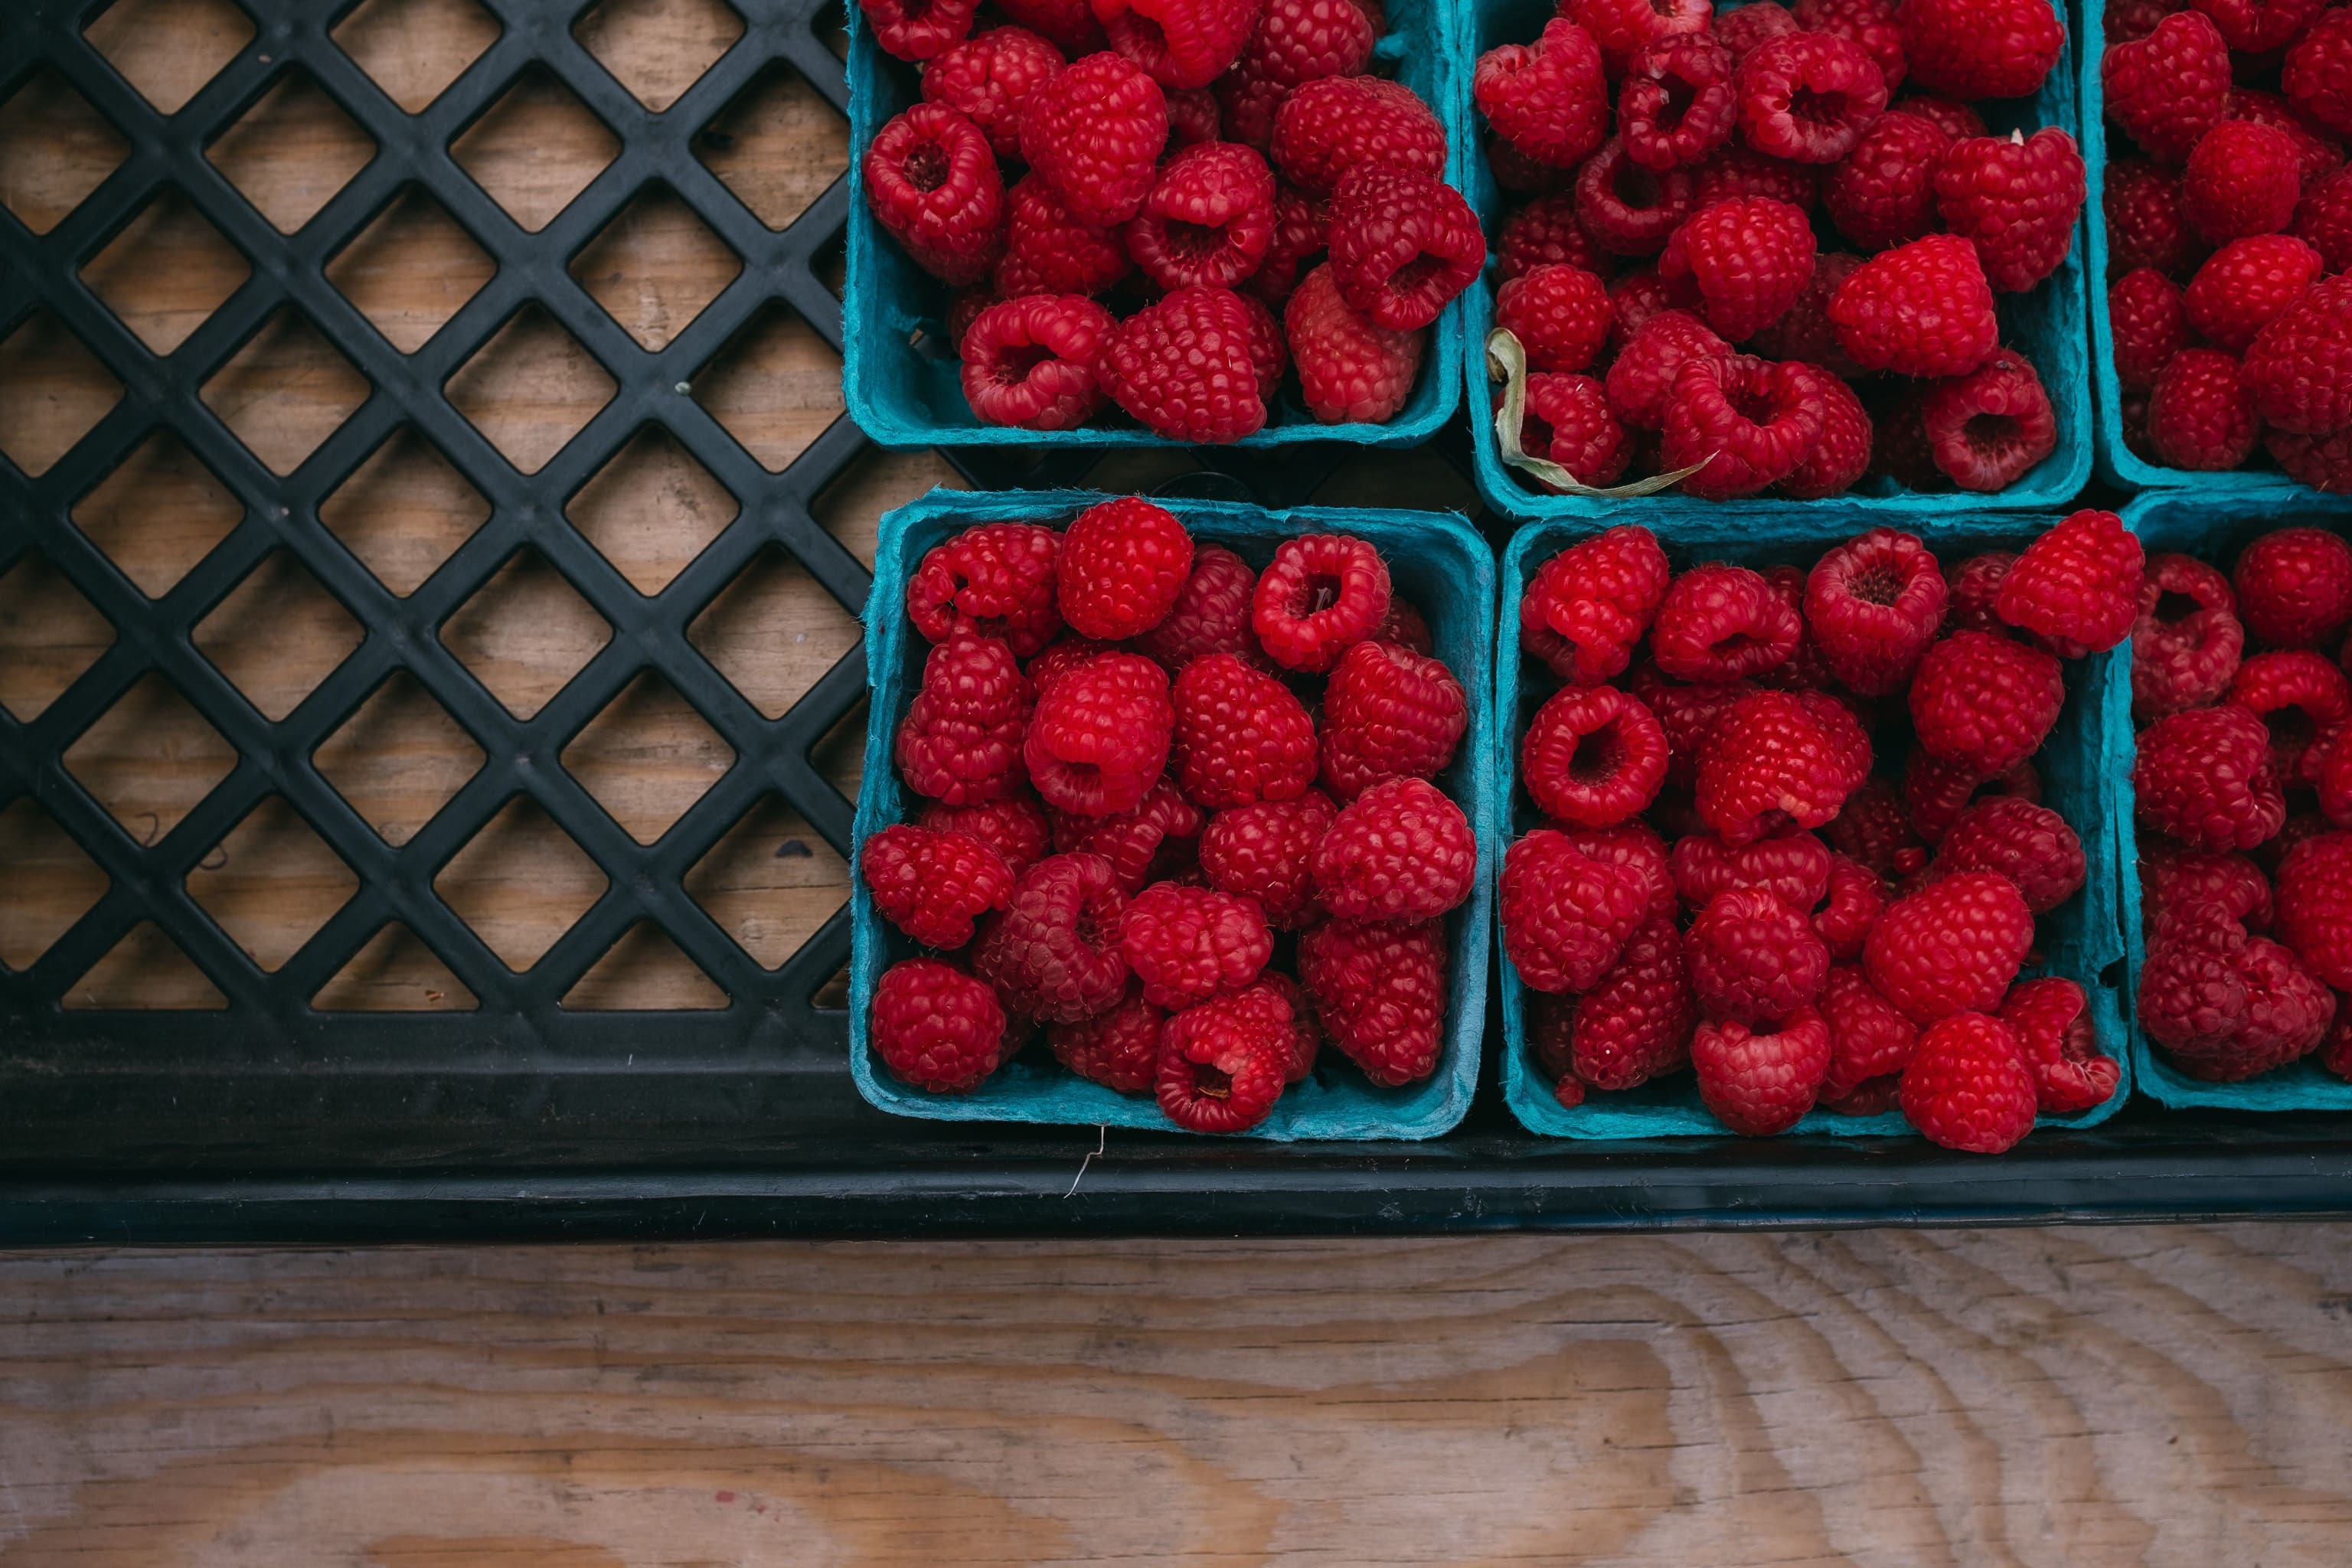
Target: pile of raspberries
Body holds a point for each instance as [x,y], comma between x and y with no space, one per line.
[1163,203]
[1132,804]
[2244,779]
[1788,229]
[2229,239]
[1722,883]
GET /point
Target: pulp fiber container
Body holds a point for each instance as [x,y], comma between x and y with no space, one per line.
[1438,563]
[2078,939]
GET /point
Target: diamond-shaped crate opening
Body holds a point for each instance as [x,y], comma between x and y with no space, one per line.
[404,511]
[772,882]
[284,391]
[48,635]
[411,269]
[526,634]
[145,971]
[166,272]
[658,49]
[272,883]
[291,151]
[50,883]
[779,145]
[774,632]
[647,757]
[52,391]
[159,513]
[776,386]
[655,266]
[394,972]
[54,148]
[652,510]
[415,49]
[150,759]
[644,972]
[531,389]
[400,759]
[278,635]
[876,481]
[536,149]
[521,883]
[169,48]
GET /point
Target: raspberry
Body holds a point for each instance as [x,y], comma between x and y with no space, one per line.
[1804,331]
[1222,1067]
[1403,246]
[1120,1048]
[2317,74]
[1593,756]
[1635,1024]
[1283,1001]
[2170,88]
[1622,28]
[2016,199]
[1984,701]
[1790,864]
[1187,368]
[1884,192]
[1738,171]
[1567,420]
[2294,587]
[1183,43]
[2206,777]
[1869,1036]
[1013,825]
[1633,846]
[1753,958]
[2303,701]
[1122,565]
[1323,594]
[1403,627]
[2174,883]
[1990,428]
[1722,623]
[1100,736]
[1328,126]
[1872,605]
[1952,946]
[1753,24]
[2241,289]
[1642,379]
[1400,851]
[960,742]
[1843,458]
[2051,1020]
[2328,764]
[2242,179]
[2322,462]
[2314,906]
[1854,903]
[1595,599]
[2316,155]
[1804,669]
[1957,120]
[1065,654]
[933,185]
[1209,217]
[1240,734]
[1873,829]
[1935,792]
[1186,944]
[1807,97]
[1211,614]
[1759,1083]
[2149,317]
[1050,251]
[1349,369]
[1388,714]
[1773,759]
[2336,1046]
[1068,25]
[1548,98]
[1677,104]
[1747,421]
[1379,993]
[2030,844]
[1093,133]
[1545,231]
[1750,257]
[2258,26]
[2077,585]
[1194,117]
[918,29]
[936,1027]
[2187,640]
[1030,362]
[1628,210]
[992,581]
[1053,953]
[933,885]
[2193,989]
[1302,227]
[2288,1011]
[988,77]
[1561,316]
[1153,843]
[1921,309]
[1687,713]
[1304,40]
[1266,852]
[1246,107]
[1868,22]
[2323,219]
[1981,49]
[1566,912]
[2146,224]
[1967,1086]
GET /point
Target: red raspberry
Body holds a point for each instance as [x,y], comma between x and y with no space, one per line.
[1302,227]
[2170,88]
[1379,993]
[1266,852]
[2258,26]
[1952,946]
[1807,97]
[1548,98]
[1974,586]
[960,740]
[1754,25]
[1328,126]
[1922,308]
[2241,289]
[1100,736]
[1122,565]
[1241,736]
[1804,669]
[2336,1047]
[1633,846]
[1349,369]
[1120,1049]
[2329,764]
[1869,23]
[1066,653]
[1093,133]
[1014,826]
[1738,171]
[1936,791]
[1642,378]
[936,1027]
[1050,251]
[2288,1012]
[1030,362]
[1194,117]
[1984,701]
[2242,179]
[1967,1086]
[2051,1020]
[1246,107]
[1323,594]
[1209,217]
[1222,1067]
[1990,428]
[2193,989]
[2174,883]
[1773,759]
[1677,104]
[2302,699]
[1957,120]
[1622,28]
[1304,40]
[1790,864]
[1873,829]
[1186,944]
[2030,844]
[1722,623]
[933,185]
[1183,43]
[1635,1024]
[1566,912]
[2314,906]
[1869,1036]
[2322,462]
[933,885]
[2149,318]
[1804,331]
[1561,316]
[2323,219]
[1155,842]
[1753,958]
[992,581]
[1068,25]
[988,77]
[1546,231]
[2206,777]
[1871,606]
[1211,614]
[1760,1083]
[1594,600]
[2147,225]
[1388,714]
[1884,192]
[1567,420]
[1593,756]
[1749,257]
[2016,199]
[2317,156]
[2317,74]
[1400,851]
[1854,902]
[1284,1001]
[1187,367]
[1628,210]
[1748,423]
[2294,587]
[1403,246]
[917,29]
[1403,627]
[1981,49]
[2077,585]
[1053,953]
[2187,641]
[1687,713]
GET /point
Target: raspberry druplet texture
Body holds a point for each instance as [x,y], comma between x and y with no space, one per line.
[1677,103]
[1635,1024]
[1402,245]
[1985,702]
[935,1027]
[1593,756]
[1188,367]
[1183,44]
[1241,736]
[933,885]
[1352,370]
[1981,49]
[2240,289]
[2051,1021]
[1100,738]
[1119,1049]
[1566,912]
[993,581]
[2016,198]
[1030,362]
[1054,951]
[2077,584]
[1987,428]
[1548,98]
[1761,1082]
[1967,1086]
[1379,994]
[1332,124]
[1266,852]
[2149,314]
[1320,596]
[1869,1036]
[1094,133]
[1209,217]
[2314,906]
[1400,851]
[1560,314]
[1014,826]
[1771,760]
[2207,778]
[2294,587]
[1122,564]
[1807,97]
[1211,612]
[1791,865]
[2026,842]
[1872,605]
[1921,309]
[2170,88]
[960,742]
[987,79]
[1749,257]
[1753,958]
[1152,843]
[918,29]
[2188,640]
[1388,713]
[1883,193]
[1953,946]
[1718,622]
[1187,944]
[1220,1067]
[1586,607]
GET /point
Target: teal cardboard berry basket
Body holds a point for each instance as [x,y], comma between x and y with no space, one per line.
[901,373]
[2045,324]
[2078,939]
[1439,562]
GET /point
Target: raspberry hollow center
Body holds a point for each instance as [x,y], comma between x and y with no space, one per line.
[1212,1082]
[1878,585]
[1992,435]
[1323,591]
[1600,756]
[2172,608]
[1092,928]
[1823,109]
[1680,95]
[1417,274]
[1634,185]
[1012,365]
[926,167]
[1192,241]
